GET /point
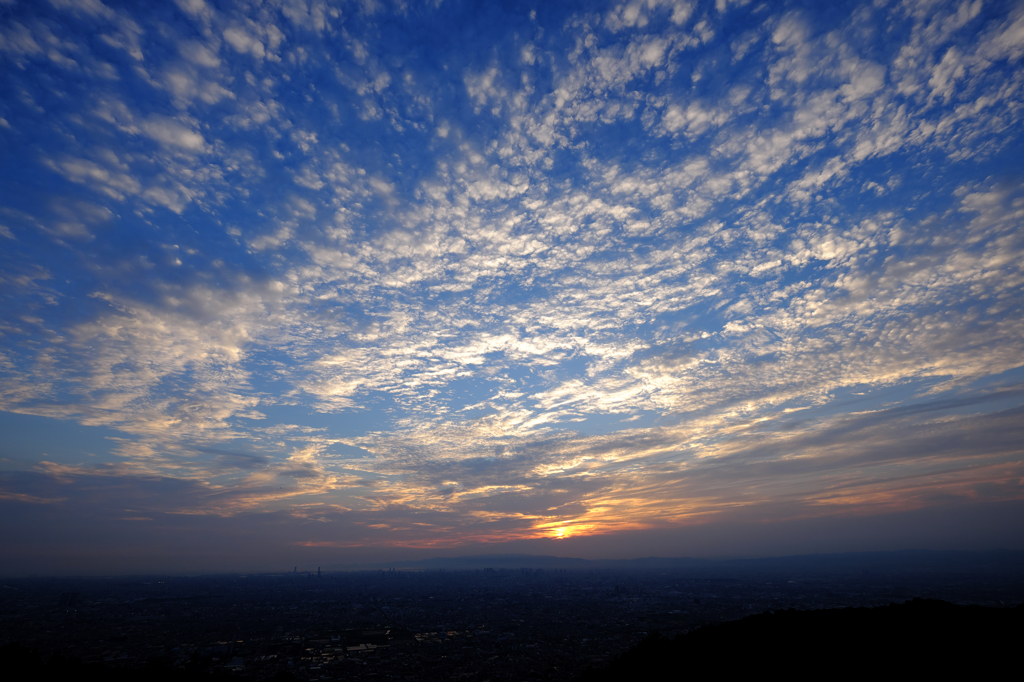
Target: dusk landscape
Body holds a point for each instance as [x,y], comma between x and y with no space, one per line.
[505,340]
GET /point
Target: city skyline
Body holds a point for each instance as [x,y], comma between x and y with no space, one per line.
[314,283]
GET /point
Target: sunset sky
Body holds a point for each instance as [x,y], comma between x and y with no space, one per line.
[307,283]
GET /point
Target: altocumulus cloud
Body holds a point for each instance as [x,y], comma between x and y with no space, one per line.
[379,275]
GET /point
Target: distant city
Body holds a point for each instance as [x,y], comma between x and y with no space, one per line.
[480,618]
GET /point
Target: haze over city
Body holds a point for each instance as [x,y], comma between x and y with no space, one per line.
[298,283]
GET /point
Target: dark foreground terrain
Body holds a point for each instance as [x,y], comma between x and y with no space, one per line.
[522,623]
[918,637]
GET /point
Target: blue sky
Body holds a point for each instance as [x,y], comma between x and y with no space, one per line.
[300,281]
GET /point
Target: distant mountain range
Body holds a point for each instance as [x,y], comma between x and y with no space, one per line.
[908,560]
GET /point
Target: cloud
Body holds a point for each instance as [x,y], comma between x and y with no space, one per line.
[243,42]
[172,133]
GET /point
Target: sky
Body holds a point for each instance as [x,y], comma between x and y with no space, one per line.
[310,283]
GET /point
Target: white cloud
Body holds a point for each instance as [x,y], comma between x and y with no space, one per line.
[16,39]
[198,53]
[111,180]
[243,42]
[173,133]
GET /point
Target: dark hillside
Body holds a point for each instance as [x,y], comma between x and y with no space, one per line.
[919,637]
